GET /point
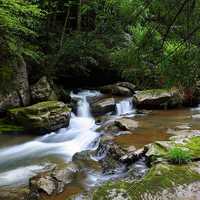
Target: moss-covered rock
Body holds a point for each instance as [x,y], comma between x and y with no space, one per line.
[160,150]
[7,127]
[158,98]
[45,116]
[163,182]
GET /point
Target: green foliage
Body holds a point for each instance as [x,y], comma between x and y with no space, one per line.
[178,155]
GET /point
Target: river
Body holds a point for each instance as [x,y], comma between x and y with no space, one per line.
[23,156]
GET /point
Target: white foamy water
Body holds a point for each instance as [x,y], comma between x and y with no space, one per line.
[125,106]
[65,143]
[17,176]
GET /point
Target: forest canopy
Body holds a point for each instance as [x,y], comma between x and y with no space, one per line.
[151,43]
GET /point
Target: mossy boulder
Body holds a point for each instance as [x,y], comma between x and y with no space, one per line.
[162,182]
[158,99]
[43,117]
[160,150]
[7,127]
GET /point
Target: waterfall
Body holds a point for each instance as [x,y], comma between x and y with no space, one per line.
[124,106]
[79,136]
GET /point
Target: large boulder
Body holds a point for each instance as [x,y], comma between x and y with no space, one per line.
[45,116]
[43,91]
[20,95]
[103,106]
[158,98]
[119,89]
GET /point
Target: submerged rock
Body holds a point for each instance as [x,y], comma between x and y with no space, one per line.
[18,193]
[126,124]
[158,98]
[103,106]
[44,117]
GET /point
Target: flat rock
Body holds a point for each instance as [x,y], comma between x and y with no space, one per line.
[126,124]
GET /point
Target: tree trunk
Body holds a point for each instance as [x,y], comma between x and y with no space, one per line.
[79,20]
[64,27]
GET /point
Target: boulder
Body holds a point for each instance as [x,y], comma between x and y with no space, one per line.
[159,150]
[128,85]
[119,89]
[54,181]
[126,124]
[42,91]
[158,99]
[103,106]
[43,117]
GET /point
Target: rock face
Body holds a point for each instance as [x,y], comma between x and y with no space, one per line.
[52,182]
[21,95]
[103,106]
[119,89]
[42,91]
[45,116]
[158,98]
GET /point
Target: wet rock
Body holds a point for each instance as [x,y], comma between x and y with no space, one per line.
[52,182]
[158,99]
[103,106]
[44,117]
[109,154]
[43,91]
[126,124]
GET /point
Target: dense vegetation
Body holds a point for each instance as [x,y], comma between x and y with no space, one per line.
[152,43]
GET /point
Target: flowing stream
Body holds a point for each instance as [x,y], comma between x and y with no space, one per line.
[23,156]
[16,161]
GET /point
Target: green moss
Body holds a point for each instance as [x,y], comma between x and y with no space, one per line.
[160,177]
[6,127]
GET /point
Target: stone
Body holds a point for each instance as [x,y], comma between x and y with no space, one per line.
[126,124]
[43,91]
[128,85]
[43,117]
[158,99]
[53,181]
[159,150]
[103,106]
[116,90]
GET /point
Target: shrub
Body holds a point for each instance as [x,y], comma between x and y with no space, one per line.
[179,156]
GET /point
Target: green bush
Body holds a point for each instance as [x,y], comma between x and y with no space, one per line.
[179,156]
